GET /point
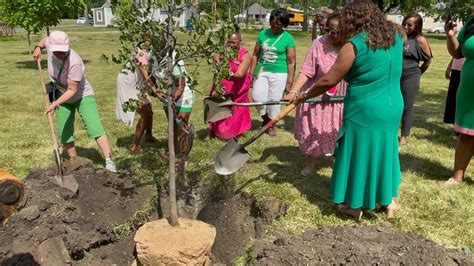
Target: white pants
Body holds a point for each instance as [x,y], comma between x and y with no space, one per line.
[269,87]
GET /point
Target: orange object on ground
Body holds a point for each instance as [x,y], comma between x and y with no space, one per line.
[11,194]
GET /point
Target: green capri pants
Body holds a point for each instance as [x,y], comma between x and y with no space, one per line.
[87,108]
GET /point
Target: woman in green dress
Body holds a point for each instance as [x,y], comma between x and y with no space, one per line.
[367,167]
[463,46]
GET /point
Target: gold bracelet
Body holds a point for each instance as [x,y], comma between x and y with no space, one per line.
[296,93]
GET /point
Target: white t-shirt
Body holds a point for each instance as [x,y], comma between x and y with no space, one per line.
[72,69]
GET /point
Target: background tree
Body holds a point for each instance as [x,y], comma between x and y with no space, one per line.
[96,3]
[437,8]
[200,42]
[459,9]
[35,15]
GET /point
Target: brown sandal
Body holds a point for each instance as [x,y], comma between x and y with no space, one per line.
[355,213]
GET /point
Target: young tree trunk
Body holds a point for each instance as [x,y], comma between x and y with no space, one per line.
[246,15]
[29,41]
[47,31]
[172,158]
[86,13]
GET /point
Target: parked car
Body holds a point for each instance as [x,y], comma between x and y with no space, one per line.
[437,30]
[82,20]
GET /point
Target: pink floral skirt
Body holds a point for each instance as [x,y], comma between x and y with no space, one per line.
[317,126]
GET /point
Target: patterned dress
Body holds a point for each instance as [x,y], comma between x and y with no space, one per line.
[317,125]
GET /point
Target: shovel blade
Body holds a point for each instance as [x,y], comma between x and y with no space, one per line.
[213,112]
[66,181]
[230,158]
[60,180]
[57,160]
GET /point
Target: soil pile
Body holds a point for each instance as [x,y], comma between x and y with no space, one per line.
[360,245]
[55,226]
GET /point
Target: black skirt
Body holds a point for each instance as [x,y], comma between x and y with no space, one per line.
[450,109]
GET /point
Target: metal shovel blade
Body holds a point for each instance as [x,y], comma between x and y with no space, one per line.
[233,155]
[213,112]
[230,158]
[66,181]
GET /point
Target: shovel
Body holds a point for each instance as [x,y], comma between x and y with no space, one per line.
[234,155]
[66,181]
[216,108]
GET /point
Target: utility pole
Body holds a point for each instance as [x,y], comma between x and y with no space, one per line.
[305,16]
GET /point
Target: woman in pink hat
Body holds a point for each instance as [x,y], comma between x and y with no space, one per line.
[66,70]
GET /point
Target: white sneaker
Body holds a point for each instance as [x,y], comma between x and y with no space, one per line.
[110,165]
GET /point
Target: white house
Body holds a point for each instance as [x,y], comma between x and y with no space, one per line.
[257,12]
[181,21]
[103,15]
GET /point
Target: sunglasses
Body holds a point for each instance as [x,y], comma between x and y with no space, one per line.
[333,32]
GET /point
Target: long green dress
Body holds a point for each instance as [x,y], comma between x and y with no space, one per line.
[367,166]
[464,119]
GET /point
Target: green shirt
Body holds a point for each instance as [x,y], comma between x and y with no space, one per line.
[273,50]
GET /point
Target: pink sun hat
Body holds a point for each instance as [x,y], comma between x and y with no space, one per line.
[58,41]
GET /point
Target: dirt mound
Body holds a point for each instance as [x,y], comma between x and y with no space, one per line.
[56,226]
[361,245]
[239,219]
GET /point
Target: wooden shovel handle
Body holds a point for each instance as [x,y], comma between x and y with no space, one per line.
[281,115]
[262,130]
[47,104]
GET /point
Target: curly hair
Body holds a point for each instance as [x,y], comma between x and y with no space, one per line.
[364,16]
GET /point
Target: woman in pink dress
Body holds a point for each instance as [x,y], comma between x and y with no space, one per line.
[317,124]
[238,85]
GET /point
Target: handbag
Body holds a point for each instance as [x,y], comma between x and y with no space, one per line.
[53,91]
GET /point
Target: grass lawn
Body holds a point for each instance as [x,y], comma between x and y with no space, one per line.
[445,215]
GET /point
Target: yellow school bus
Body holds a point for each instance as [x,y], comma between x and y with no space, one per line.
[296,16]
